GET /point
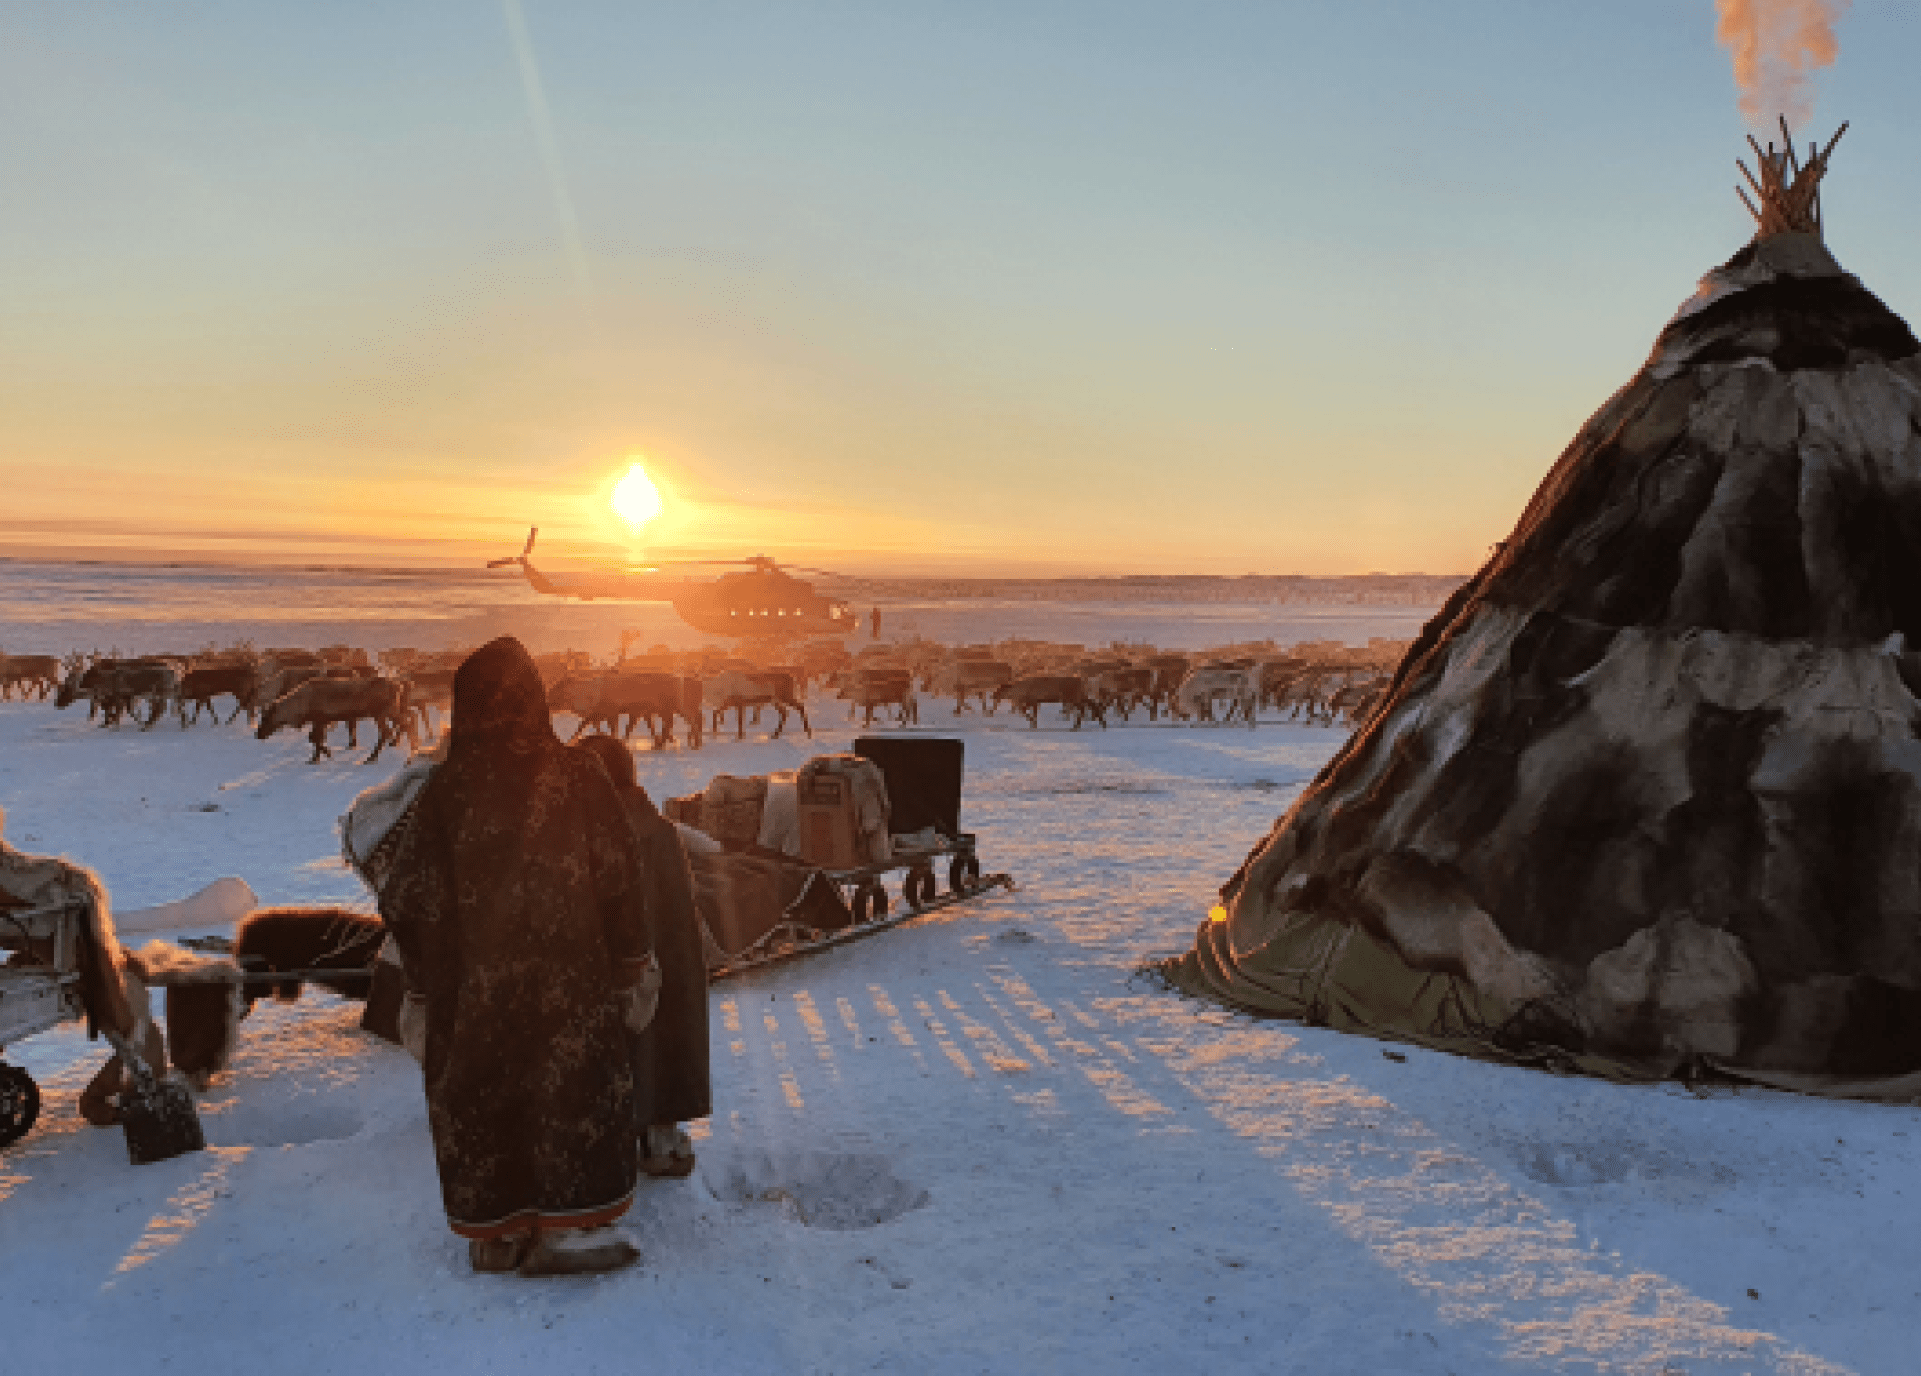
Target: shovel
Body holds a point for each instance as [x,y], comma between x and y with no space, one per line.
[158,1114]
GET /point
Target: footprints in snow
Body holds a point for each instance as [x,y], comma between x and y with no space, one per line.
[838,1191]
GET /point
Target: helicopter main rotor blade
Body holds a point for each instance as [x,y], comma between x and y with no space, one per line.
[757,562]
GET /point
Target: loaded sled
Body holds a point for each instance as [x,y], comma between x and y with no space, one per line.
[788,876]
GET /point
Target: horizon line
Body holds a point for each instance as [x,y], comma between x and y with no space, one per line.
[163,560]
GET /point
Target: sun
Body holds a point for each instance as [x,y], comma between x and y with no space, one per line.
[636,498]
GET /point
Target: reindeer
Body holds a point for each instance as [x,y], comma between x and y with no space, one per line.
[1297,693]
[1168,671]
[320,702]
[1240,686]
[428,689]
[202,686]
[77,681]
[1123,689]
[278,673]
[152,681]
[581,695]
[740,689]
[1356,698]
[972,678]
[866,689]
[1029,695]
[602,700]
[117,687]
[36,676]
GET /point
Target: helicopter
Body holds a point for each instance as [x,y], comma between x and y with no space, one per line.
[764,601]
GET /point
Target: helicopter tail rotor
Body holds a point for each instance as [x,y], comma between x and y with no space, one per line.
[520,558]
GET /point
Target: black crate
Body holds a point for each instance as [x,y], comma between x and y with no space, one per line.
[923,776]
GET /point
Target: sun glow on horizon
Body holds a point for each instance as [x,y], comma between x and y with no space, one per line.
[636,498]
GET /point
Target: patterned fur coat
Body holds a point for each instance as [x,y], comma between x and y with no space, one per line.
[516,900]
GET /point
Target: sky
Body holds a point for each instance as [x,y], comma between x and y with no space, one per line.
[1028,287]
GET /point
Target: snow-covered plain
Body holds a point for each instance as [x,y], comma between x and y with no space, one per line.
[978,1143]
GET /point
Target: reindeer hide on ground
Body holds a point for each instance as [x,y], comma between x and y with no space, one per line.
[204,1007]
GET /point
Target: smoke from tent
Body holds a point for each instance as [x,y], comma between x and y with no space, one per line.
[1778,46]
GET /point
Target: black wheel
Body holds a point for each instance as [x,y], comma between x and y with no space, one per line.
[964,875]
[19,1104]
[870,902]
[920,888]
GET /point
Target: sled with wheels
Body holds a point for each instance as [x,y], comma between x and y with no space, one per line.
[923,776]
[924,796]
[864,891]
[920,872]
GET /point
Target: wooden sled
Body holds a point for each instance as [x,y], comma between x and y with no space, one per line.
[864,891]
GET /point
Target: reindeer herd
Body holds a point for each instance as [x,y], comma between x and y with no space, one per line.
[397,693]
[278,690]
[1321,683]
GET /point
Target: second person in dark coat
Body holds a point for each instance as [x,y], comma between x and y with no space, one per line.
[672,1084]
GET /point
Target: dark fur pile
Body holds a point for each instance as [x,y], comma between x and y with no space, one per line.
[202,1010]
[205,1004]
[203,1028]
[294,938]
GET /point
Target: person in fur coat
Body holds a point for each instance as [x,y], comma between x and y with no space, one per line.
[518,905]
[672,1084]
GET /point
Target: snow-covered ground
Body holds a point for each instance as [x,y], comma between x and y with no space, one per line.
[975,1144]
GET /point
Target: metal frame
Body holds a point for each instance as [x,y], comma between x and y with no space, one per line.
[788,940]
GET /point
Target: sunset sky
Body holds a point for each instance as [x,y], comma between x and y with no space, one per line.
[962,287]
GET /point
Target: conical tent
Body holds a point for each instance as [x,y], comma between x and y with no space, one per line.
[1645,797]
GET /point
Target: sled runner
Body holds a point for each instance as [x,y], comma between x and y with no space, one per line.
[862,893]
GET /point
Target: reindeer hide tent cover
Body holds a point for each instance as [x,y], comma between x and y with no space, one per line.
[1645,797]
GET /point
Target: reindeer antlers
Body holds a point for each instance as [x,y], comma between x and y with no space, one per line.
[1789,205]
